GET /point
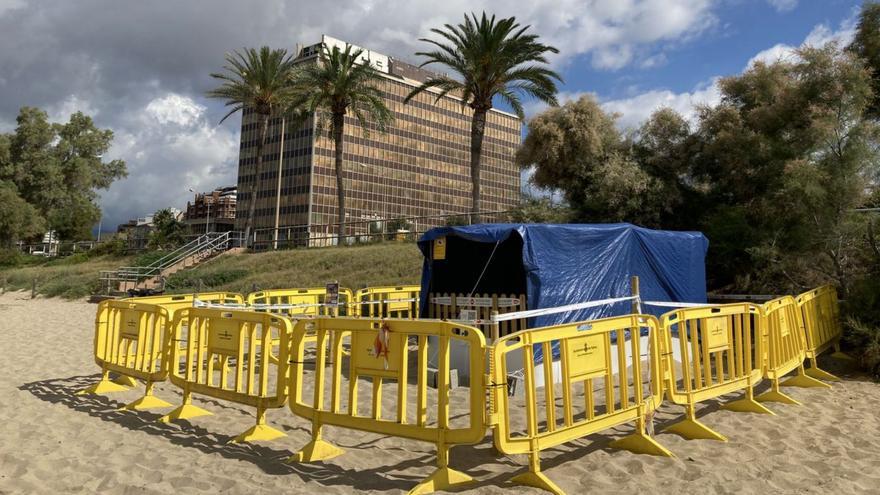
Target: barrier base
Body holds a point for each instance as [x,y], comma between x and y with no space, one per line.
[259,433]
[185,411]
[695,430]
[537,480]
[316,450]
[104,387]
[442,479]
[776,396]
[145,403]
[804,381]
[842,356]
[639,444]
[821,374]
[125,381]
[748,406]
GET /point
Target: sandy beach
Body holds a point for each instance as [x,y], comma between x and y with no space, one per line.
[56,441]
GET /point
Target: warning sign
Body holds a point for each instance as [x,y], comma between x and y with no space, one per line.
[440,248]
[717,334]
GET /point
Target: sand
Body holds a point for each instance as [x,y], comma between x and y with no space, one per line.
[52,440]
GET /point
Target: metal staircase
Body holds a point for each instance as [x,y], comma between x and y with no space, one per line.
[190,254]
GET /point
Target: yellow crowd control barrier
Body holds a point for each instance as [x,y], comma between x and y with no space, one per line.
[387,302]
[227,356]
[721,352]
[302,302]
[608,350]
[821,317]
[131,340]
[379,351]
[784,349]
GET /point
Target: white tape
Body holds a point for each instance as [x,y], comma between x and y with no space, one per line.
[669,304]
[559,309]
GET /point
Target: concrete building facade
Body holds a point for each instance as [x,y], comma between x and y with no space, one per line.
[419,168]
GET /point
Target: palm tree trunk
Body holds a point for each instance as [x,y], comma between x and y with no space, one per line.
[338,143]
[478,129]
[258,168]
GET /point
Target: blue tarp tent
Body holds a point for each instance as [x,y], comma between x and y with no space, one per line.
[566,264]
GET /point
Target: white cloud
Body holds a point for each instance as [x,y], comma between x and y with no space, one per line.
[175,109]
[635,110]
[61,111]
[783,5]
[819,36]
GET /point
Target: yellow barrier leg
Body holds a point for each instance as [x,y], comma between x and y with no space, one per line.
[317,449]
[747,404]
[804,381]
[186,410]
[125,381]
[260,431]
[838,354]
[105,386]
[775,395]
[818,373]
[444,477]
[148,401]
[640,443]
[692,429]
[535,478]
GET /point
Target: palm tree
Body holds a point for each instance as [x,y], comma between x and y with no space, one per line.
[258,80]
[492,58]
[336,84]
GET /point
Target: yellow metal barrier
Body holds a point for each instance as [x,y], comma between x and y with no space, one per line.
[721,352]
[821,317]
[302,302]
[131,340]
[784,349]
[387,302]
[380,352]
[227,356]
[608,350]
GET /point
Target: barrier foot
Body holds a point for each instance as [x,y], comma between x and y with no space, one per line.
[537,480]
[747,405]
[125,381]
[842,356]
[259,433]
[821,374]
[692,429]
[444,478]
[804,381]
[774,395]
[640,443]
[316,450]
[145,403]
[105,386]
[185,411]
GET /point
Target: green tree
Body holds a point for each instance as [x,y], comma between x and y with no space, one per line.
[258,81]
[169,230]
[866,44]
[577,149]
[18,218]
[493,59]
[58,168]
[338,83]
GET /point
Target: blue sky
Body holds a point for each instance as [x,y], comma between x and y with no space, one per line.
[142,68]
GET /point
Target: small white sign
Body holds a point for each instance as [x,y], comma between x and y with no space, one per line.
[467,315]
[443,301]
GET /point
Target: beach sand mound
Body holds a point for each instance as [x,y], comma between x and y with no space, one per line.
[56,441]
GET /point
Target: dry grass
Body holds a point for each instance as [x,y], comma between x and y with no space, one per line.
[70,278]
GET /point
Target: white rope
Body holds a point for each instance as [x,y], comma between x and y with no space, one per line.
[670,304]
[488,261]
[263,307]
[559,309]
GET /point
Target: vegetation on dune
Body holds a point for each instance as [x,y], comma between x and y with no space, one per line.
[354,267]
[72,277]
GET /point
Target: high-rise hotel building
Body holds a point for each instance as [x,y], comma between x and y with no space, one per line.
[420,167]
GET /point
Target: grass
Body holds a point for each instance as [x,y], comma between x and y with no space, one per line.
[71,277]
[354,267]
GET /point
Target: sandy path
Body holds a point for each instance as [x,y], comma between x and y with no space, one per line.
[52,440]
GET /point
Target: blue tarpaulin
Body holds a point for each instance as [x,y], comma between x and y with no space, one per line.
[575,263]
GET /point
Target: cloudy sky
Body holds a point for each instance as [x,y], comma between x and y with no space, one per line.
[141,68]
